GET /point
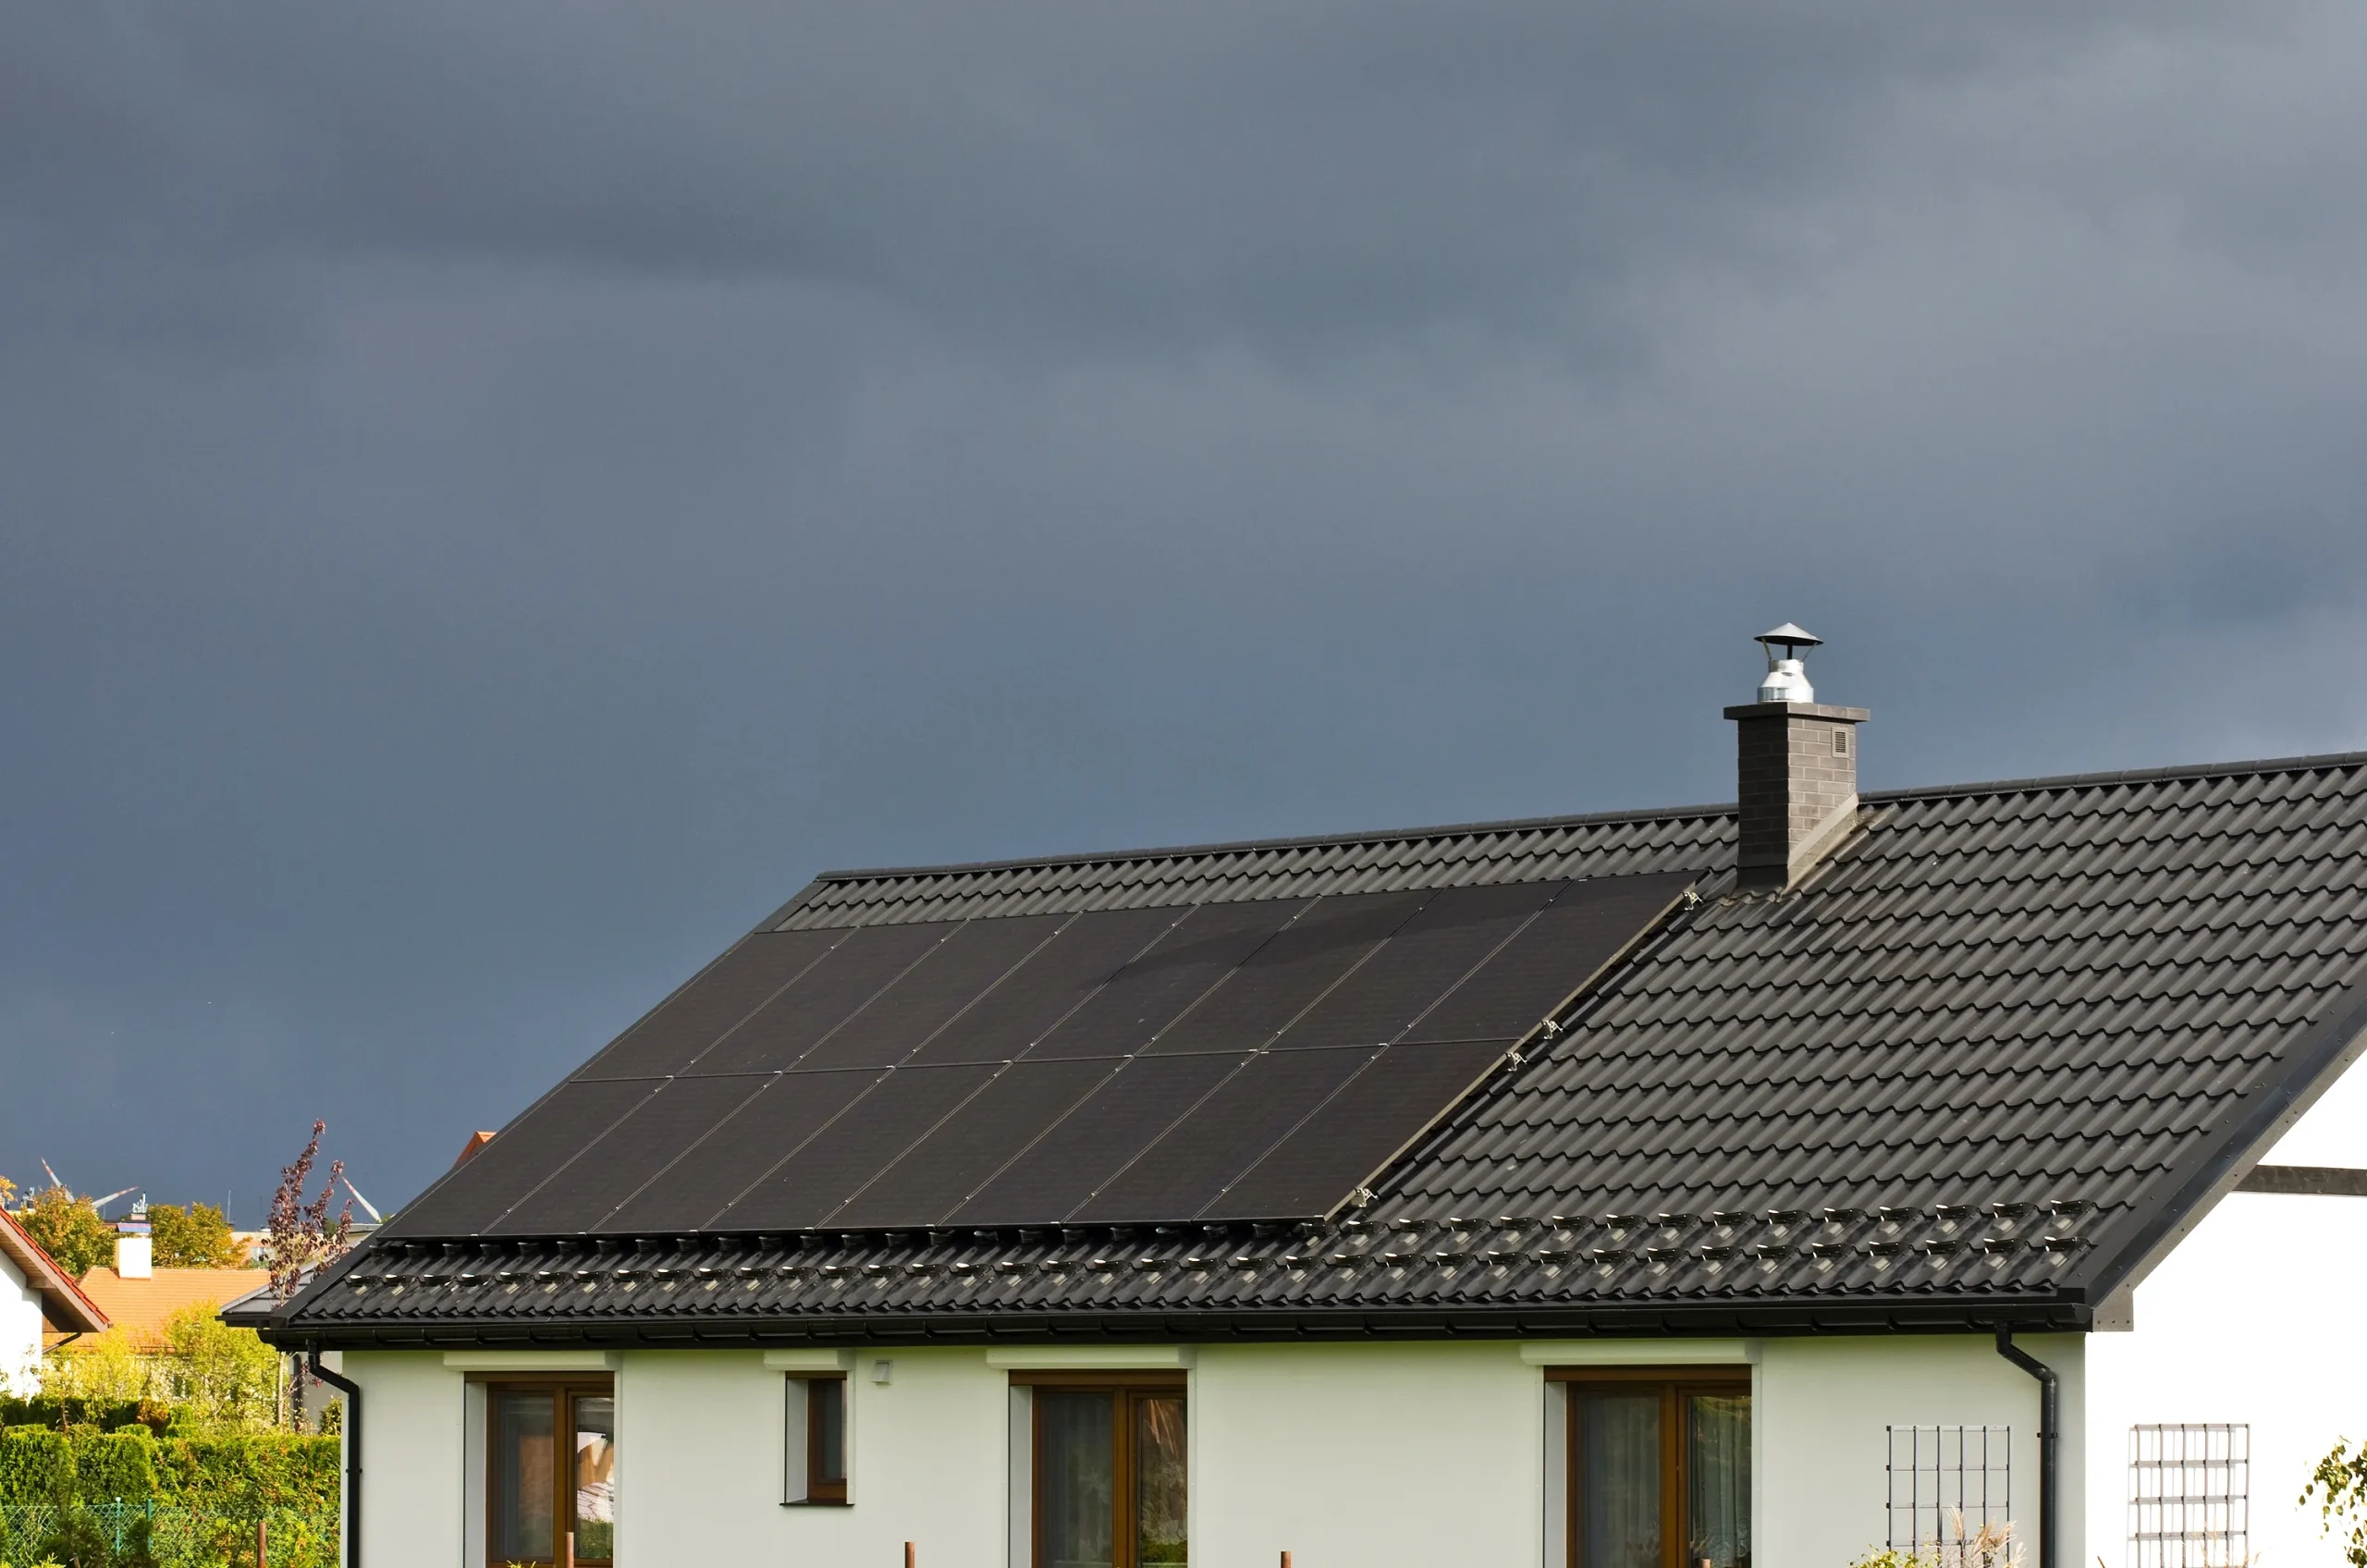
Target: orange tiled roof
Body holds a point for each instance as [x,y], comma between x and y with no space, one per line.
[143,1306]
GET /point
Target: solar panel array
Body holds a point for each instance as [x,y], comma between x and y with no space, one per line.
[1207,1062]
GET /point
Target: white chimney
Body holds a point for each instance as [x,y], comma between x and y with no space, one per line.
[135,1251]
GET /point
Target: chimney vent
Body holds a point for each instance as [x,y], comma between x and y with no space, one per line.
[1796,769]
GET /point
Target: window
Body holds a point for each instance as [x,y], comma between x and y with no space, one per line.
[2190,1496]
[1659,1468]
[1108,1473]
[1951,1489]
[551,1451]
[817,1439]
[815,1451]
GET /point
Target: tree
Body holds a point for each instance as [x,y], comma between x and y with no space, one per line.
[302,1236]
[195,1237]
[70,1230]
[2340,1488]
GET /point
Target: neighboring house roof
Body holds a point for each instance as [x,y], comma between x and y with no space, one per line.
[142,1307]
[63,1303]
[476,1141]
[1978,1069]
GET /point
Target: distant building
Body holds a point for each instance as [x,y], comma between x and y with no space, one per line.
[141,1298]
[36,1296]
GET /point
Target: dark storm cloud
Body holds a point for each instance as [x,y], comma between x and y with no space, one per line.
[495,495]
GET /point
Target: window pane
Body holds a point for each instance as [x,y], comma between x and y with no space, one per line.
[595,1472]
[1717,1442]
[1619,1479]
[1158,1479]
[1076,1489]
[826,1411]
[524,1483]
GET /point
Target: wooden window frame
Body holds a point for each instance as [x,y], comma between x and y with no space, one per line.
[564,1391]
[1674,1384]
[820,1491]
[1123,1388]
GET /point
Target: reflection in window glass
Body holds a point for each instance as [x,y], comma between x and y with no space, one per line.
[1076,1490]
[1717,1440]
[826,1411]
[1619,1478]
[524,1478]
[1160,1480]
[595,1470]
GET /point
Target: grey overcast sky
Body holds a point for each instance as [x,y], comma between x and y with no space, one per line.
[493,496]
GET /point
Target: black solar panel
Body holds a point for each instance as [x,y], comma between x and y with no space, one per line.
[1245,1060]
[1058,979]
[868,1134]
[1358,1131]
[735,1155]
[937,1174]
[864,964]
[1454,933]
[1143,998]
[1584,929]
[1253,1002]
[1085,1148]
[627,1155]
[686,1024]
[521,1158]
[1255,1108]
[956,972]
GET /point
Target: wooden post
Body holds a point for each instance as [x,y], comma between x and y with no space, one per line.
[262,1541]
[911,1556]
[1286,1560]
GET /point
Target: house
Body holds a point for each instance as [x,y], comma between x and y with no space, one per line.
[142,1299]
[1693,1188]
[37,1298]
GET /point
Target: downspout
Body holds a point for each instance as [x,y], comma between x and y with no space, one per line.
[352,1425]
[2050,1432]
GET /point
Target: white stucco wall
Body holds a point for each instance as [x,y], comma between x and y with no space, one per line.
[1348,1455]
[1819,1424]
[19,1332]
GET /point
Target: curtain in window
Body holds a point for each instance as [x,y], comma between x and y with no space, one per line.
[1077,1489]
[1718,1472]
[524,1475]
[1619,1479]
[595,1469]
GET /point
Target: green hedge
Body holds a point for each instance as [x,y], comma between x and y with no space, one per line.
[41,1466]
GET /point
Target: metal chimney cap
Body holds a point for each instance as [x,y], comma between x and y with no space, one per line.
[1792,637]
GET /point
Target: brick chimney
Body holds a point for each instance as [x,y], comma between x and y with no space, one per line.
[1797,770]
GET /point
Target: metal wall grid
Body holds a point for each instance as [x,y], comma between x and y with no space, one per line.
[1945,1485]
[2190,1495]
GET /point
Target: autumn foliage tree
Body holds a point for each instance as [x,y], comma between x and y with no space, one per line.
[302,1236]
[197,1236]
[69,1228]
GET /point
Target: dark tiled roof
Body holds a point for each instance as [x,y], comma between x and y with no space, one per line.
[1975,1069]
[1544,850]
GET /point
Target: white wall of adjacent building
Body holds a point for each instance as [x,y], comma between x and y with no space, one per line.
[2254,1320]
[20,1326]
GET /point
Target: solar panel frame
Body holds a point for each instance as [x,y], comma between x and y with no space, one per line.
[1455,932]
[1059,978]
[1588,926]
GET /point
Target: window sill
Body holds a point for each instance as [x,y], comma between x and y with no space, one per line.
[819,1503]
